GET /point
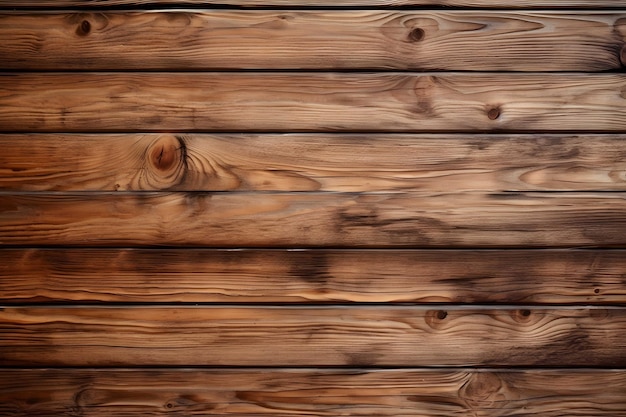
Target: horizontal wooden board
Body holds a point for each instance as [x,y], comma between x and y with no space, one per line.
[313,336]
[223,39]
[305,276]
[314,219]
[312,162]
[113,102]
[314,3]
[363,392]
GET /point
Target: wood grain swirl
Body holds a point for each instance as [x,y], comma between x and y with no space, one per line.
[362,392]
[373,102]
[223,39]
[312,276]
[314,336]
[312,162]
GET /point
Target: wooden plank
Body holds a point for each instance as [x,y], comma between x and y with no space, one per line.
[223,39]
[309,276]
[312,162]
[363,392]
[25,4]
[312,336]
[111,102]
[314,219]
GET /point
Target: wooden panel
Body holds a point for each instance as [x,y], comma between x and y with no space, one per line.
[311,101]
[313,3]
[314,219]
[220,39]
[314,336]
[360,392]
[312,162]
[198,275]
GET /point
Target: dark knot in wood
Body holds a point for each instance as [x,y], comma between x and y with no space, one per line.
[493,113]
[165,162]
[416,35]
[84,28]
[164,156]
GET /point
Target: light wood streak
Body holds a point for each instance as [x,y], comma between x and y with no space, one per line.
[314,336]
[312,162]
[222,39]
[88,102]
[304,276]
[315,219]
[597,4]
[361,392]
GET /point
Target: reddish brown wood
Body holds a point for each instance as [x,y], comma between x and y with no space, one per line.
[312,336]
[312,276]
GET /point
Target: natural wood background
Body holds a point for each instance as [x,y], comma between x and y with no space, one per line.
[269,101]
[428,40]
[313,276]
[360,392]
[585,4]
[316,336]
[399,207]
[313,162]
[314,219]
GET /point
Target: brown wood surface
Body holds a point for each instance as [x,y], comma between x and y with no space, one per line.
[315,219]
[311,102]
[223,39]
[312,336]
[314,3]
[312,276]
[361,392]
[312,162]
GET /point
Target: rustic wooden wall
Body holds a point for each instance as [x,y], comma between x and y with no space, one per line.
[313,208]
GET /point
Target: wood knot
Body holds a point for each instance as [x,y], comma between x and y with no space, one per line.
[83,28]
[436,319]
[164,155]
[521,316]
[416,35]
[622,56]
[493,113]
[483,390]
[166,163]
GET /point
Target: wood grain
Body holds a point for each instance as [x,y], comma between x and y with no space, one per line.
[88,102]
[314,219]
[363,392]
[223,39]
[25,4]
[312,276]
[312,162]
[313,336]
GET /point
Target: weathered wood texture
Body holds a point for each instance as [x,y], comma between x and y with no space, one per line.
[314,336]
[315,219]
[362,392]
[312,162]
[316,3]
[222,39]
[303,276]
[311,102]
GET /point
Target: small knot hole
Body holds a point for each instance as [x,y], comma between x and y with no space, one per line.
[84,28]
[493,113]
[416,35]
